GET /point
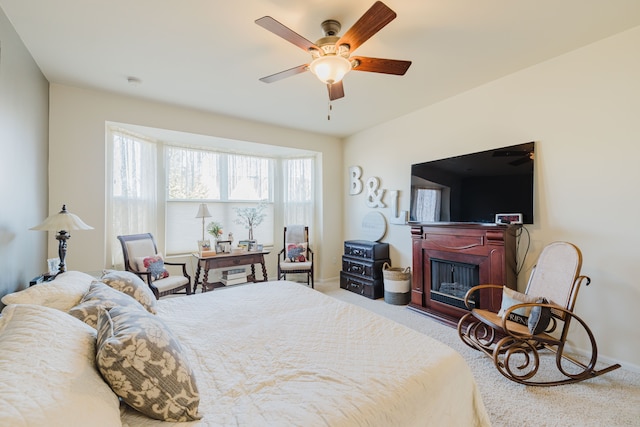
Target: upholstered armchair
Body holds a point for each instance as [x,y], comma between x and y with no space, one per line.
[142,258]
[296,257]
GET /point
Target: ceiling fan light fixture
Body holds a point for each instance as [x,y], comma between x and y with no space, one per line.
[330,69]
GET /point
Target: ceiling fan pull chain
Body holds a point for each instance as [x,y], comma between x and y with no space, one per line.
[329,111]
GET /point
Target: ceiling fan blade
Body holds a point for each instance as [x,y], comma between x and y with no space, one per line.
[380,65]
[510,153]
[270,24]
[370,23]
[520,161]
[286,73]
[336,91]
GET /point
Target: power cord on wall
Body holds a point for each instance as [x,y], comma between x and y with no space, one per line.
[518,236]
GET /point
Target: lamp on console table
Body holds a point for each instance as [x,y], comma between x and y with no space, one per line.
[62,223]
[203,212]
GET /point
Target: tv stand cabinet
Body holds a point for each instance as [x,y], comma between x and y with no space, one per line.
[490,247]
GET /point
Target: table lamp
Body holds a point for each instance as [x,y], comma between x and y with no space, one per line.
[203,212]
[62,222]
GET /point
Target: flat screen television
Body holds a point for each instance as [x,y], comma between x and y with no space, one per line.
[474,187]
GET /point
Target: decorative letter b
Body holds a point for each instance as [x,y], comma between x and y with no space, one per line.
[355,172]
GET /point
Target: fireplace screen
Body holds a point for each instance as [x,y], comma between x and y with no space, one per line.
[450,282]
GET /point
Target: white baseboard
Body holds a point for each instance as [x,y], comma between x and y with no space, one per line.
[604,360]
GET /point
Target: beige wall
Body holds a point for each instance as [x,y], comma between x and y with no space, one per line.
[77,163]
[23,171]
[583,110]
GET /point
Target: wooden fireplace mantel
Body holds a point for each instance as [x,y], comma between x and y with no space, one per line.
[491,247]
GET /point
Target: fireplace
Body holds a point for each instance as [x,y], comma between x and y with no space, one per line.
[449,259]
[450,282]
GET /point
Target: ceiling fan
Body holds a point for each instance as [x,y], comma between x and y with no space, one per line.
[330,54]
[520,157]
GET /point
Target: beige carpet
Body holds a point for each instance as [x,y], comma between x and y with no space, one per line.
[612,399]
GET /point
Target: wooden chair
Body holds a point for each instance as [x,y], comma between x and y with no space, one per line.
[517,349]
[297,256]
[137,247]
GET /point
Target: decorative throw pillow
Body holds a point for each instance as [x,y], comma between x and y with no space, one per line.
[48,374]
[132,285]
[296,252]
[62,293]
[143,362]
[511,298]
[154,265]
[539,317]
[101,296]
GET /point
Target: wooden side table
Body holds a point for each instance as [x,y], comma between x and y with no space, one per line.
[228,260]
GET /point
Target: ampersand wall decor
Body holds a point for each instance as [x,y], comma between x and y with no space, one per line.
[374,194]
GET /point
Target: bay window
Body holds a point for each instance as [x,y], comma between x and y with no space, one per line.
[157,187]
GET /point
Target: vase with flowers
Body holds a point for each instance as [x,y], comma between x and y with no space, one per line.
[215,229]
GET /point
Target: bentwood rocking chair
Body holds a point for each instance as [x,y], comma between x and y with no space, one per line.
[532,328]
[142,258]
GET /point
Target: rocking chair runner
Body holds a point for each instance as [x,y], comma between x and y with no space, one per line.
[516,348]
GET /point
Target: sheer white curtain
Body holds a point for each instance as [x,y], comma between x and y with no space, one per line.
[132,202]
[298,191]
[249,177]
[193,174]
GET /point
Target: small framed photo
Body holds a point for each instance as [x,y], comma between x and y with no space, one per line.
[223,246]
[205,248]
[250,245]
[204,245]
[53,264]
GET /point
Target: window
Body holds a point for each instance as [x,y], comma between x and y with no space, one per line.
[133,190]
[193,174]
[163,196]
[225,182]
[427,206]
[298,191]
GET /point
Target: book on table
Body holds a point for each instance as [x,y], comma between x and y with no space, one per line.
[237,281]
[235,273]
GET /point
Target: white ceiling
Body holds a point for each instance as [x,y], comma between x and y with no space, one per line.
[209,54]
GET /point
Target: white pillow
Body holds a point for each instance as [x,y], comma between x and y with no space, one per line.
[48,375]
[62,293]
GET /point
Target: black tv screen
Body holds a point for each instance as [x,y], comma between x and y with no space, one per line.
[474,187]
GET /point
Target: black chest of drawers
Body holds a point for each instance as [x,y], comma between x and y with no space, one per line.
[362,264]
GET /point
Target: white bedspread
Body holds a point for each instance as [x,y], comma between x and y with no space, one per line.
[281,354]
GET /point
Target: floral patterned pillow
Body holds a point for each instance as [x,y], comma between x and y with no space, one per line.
[154,265]
[99,296]
[132,285]
[296,252]
[144,364]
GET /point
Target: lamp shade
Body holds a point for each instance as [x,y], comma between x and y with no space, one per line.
[63,220]
[330,69]
[203,211]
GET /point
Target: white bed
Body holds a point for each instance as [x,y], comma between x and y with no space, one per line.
[282,354]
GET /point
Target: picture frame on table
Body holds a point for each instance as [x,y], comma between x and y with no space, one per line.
[53,265]
[249,245]
[205,248]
